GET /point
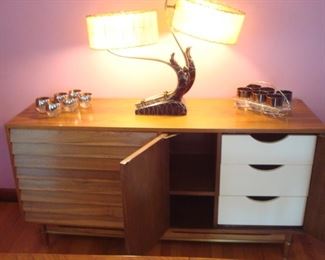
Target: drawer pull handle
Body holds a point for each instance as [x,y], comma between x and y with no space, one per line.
[265,167]
[262,198]
[268,138]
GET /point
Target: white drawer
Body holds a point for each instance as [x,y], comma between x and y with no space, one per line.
[286,180]
[281,211]
[244,149]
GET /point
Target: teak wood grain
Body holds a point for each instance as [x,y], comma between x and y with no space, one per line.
[72,177]
[101,187]
[204,115]
[64,173]
[85,209]
[71,197]
[30,161]
[74,159]
[314,222]
[75,220]
[68,150]
[145,179]
[4,256]
[79,137]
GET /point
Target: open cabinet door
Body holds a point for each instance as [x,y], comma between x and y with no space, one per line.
[145,189]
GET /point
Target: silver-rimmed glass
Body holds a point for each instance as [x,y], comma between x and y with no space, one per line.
[59,97]
[53,109]
[84,100]
[74,93]
[70,104]
[41,103]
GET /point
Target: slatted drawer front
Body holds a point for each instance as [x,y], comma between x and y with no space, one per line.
[71,197]
[244,149]
[72,185]
[80,137]
[281,211]
[78,214]
[72,178]
[72,150]
[74,220]
[257,180]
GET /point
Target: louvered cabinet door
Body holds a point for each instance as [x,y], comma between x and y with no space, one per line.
[72,177]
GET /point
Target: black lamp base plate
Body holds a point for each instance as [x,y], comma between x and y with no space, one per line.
[165,107]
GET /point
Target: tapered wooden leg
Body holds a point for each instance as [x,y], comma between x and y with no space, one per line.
[45,235]
[286,246]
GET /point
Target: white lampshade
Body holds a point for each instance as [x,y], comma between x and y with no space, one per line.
[122,30]
[208,20]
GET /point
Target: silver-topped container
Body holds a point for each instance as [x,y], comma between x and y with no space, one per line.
[70,104]
[84,100]
[74,93]
[41,103]
[60,97]
[53,109]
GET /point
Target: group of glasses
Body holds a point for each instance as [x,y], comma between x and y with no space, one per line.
[63,102]
[264,100]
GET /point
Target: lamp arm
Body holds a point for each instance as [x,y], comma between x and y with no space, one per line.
[186,57]
[185,81]
[139,58]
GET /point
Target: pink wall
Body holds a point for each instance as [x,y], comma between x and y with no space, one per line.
[44,50]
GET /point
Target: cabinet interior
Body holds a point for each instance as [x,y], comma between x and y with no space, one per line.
[192,180]
[191,211]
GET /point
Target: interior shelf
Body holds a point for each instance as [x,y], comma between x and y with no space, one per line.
[193,163]
[192,180]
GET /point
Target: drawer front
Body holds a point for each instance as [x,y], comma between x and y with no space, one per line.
[74,214]
[73,150]
[74,220]
[69,185]
[281,211]
[244,149]
[246,180]
[80,137]
[62,162]
[71,177]
[70,198]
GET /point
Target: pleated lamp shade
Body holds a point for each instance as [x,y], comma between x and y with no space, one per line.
[122,30]
[208,20]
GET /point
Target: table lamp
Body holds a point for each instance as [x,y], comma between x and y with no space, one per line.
[205,19]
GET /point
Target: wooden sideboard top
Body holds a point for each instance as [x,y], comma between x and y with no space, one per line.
[204,115]
[12,256]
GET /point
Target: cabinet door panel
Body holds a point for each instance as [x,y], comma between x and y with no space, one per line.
[145,187]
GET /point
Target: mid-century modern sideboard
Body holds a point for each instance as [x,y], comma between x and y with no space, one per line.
[216,174]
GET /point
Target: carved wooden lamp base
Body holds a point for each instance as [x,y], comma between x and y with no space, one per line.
[170,103]
[161,107]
